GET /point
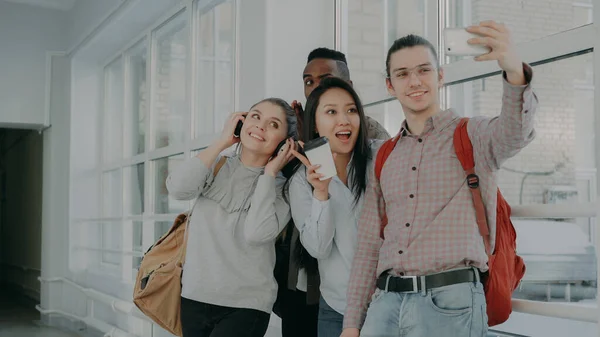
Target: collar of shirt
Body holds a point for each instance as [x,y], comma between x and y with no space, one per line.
[435,123]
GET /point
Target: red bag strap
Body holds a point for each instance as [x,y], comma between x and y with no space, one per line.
[464,152]
[384,152]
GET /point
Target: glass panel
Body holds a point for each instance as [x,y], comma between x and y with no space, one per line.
[164,202]
[206,98]
[137,242]
[224,86]
[136,194]
[224,13]
[372,28]
[170,83]
[112,193]
[559,165]
[389,114]
[113,111]
[160,228]
[527,20]
[582,13]
[111,240]
[560,268]
[138,100]
[206,32]
[138,227]
[215,96]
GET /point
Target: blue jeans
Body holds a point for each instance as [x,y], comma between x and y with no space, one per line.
[456,310]
[330,322]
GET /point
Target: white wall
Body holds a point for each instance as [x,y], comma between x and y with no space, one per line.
[85,16]
[273,50]
[26,33]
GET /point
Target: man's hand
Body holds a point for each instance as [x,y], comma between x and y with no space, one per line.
[350,332]
[497,37]
[297,106]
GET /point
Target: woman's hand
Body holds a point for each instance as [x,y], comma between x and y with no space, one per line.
[321,187]
[281,159]
[227,138]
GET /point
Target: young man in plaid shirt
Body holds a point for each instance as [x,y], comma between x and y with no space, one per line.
[422,278]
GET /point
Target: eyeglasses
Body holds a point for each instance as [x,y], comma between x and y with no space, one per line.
[420,71]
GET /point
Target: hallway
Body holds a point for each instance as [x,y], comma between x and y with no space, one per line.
[18,318]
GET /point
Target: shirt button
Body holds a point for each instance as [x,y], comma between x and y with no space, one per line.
[407,224]
[400,252]
[414,168]
[412,196]
[420,140]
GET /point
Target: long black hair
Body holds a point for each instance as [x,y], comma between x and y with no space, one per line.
[358,163]
[361,153]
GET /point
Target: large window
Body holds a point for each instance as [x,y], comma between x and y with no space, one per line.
[160,94]
[552,183]
[528,20]
[170,82]
[558,167]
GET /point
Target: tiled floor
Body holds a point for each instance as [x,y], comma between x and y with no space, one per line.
[18,318]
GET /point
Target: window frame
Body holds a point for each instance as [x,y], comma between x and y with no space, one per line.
[127,161]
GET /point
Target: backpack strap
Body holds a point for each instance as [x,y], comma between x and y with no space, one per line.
[384,152]
[464,152]
[183,250]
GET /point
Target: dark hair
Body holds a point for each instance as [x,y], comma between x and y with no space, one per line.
[361,152]
[358,165]
[409,41]
[334,55]
[326,53]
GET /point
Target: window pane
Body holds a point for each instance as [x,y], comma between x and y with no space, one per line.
[559,165]
[138,100]
[113,111]
[170,82]
[135,196]
[371,31]
[137,245]
[226,29]
[561,267]
[160,228]
[112,193]
[388,114]
[527,20]
[215,96]
[111,240]
[206,33]
[164,202]
[224,86]
[206,98]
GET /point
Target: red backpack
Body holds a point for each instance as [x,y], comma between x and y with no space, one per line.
[506,268]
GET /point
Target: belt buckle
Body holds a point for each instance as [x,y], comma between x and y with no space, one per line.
[415,284]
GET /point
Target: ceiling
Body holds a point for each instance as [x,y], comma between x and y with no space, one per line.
[63,5]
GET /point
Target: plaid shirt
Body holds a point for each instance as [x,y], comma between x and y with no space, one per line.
[432,225]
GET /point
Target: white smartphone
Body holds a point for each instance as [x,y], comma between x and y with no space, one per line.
[455,43]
